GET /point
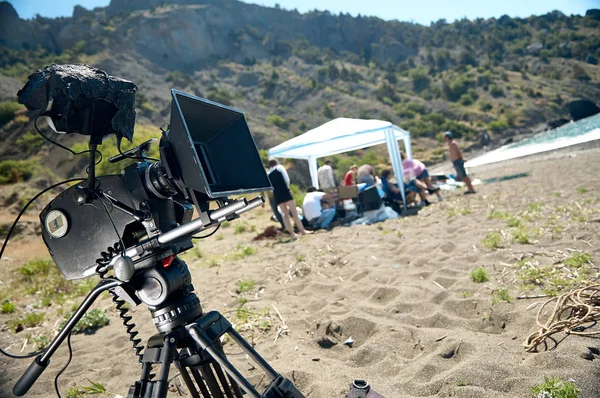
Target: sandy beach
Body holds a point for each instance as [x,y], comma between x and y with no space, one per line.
[400,289]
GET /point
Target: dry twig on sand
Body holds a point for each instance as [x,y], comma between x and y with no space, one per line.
[574,313]
[281,329]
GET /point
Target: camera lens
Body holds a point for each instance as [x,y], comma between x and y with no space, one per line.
[157,182]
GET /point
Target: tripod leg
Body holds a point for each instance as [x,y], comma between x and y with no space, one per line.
[238,339]
[161,353]
[206,332]
[211,380]
[205,344]
[161,386]
[223,381]
[188,381]
[234,387]
[200,382]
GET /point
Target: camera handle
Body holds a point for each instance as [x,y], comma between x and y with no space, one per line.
[41,362]
[232,210]
[137,153]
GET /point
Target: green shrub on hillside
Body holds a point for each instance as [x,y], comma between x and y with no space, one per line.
[579,73]
[30,142]
[386,93]
[278,121]
[485,105]
[404,113]
[220,96]
[496,91]
[328,112]
[485,79]
[465,100]
[497,125]
[8,111]
[12,171]
[420,78]
[416,107]
[453,89]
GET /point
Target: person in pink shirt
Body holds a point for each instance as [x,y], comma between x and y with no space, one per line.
[415,169]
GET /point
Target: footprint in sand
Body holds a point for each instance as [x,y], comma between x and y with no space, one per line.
[384,295]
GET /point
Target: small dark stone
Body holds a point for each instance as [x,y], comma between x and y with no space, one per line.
[587,355]
[316,359]
[594,350]
[448,354]
[552,124]
[503,325]
[326,342]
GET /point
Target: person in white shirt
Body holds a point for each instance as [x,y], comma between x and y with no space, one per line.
[317,216]
[325,176]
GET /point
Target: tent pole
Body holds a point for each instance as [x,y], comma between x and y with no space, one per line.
[394,151]
[312,167]
[407,147]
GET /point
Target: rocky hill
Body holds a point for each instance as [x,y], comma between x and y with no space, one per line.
[291,72]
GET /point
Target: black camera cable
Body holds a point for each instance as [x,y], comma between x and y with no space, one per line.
[118,301]
[72,152]
[14,224]
[214,231]
[10,232]
[66,365]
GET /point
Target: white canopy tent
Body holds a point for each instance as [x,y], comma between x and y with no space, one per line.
[344,135]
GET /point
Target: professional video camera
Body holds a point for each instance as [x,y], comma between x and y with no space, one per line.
[129,228]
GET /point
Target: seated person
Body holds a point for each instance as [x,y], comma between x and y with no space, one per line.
[411,188]
[414,168]
[366,175]
[314,213]
[349,178]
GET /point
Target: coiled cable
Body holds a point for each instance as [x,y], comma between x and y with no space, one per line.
[126,319]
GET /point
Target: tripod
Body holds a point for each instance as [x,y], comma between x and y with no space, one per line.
[197,353]
[191,341]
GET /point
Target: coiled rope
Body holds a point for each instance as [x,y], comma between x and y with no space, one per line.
[574,312]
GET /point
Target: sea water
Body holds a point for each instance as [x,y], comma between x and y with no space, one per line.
[573,133]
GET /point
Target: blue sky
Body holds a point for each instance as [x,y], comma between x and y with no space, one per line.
[422,12]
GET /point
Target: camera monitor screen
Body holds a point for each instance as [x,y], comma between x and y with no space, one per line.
[215,150]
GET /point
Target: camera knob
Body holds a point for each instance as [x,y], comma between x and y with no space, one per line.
[124,268]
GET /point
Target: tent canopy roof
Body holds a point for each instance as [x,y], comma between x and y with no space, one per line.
[337,136]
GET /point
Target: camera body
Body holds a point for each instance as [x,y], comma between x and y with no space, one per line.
[77,231]
[206,154]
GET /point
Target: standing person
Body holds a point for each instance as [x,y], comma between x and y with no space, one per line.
[350,177]
[413,168]
[276,212]
[317,216]
[325,176]
[283,197]
[458,161]
[366,174]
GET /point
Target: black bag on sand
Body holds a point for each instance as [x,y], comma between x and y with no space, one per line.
[362,389]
